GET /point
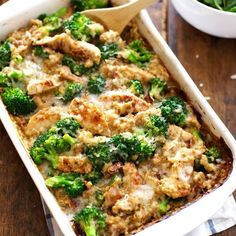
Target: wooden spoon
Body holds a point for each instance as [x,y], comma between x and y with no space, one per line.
[116,18]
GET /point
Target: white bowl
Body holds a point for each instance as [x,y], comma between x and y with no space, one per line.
[207,19]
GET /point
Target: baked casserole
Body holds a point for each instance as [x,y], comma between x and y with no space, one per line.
[115,139]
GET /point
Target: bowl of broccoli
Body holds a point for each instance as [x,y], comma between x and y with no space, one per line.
[217,18]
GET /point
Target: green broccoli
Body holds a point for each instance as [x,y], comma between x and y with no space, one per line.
[52,22]
[136,87]
[120,149]
[109,50]
[99,155]
[197,134]
[57,140]
[96,84]
[4,80]
[72,90]
[5,54]
[50,148]
[156,126]
[81,5]
[16,75]
[91,219]
[40,52]
[71,183]
[174,110]
[10,79]
[137,53]
[157,88]
[132,149]
[81,27]
[93,176]
[77,69]
[17,102]
[212,154]
[164,205]
[66,126]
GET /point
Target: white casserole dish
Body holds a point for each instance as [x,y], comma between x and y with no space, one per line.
[16,14]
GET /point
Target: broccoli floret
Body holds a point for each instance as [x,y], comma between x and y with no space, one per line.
[120,149]
[39,52]
[81,27]
[164,205]
[142,150]
[93,176]
[136,87]
[81,5]
[5,55]
[9,80]
[109,50]
[156,126]
[96,84]
[72,90]
[197,134]
[137,53]
[52,22]
[4,80]
[157,88]
[131,149]
[212,154]
[91,220]
[16,75]
[18,102]
[76,68]
[71,183]
[50,148]
[66,126]
[57,140]
[174,110]
[99,155]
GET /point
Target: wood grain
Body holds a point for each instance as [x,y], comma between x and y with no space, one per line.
[209,60]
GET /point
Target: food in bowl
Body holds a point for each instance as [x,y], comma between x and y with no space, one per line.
[207,19]
[228,5]
[117,142]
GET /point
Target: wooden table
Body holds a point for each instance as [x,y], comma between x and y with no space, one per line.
[209,60]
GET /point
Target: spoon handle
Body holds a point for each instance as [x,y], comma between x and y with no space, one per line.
[130,10]
[138,5]
[118,17]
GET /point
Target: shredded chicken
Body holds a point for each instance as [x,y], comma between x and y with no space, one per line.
[125,71]
[36,86]
[77,49]
[123,103]
[65,73]
[89,116]
[42,121]
[112,37]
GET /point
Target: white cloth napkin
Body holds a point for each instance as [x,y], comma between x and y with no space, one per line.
[222,220]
